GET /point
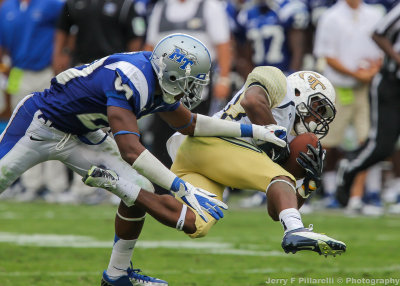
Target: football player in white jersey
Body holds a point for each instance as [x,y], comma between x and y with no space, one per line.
[64,123]
[304,102]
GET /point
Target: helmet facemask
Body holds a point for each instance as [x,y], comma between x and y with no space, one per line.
[322,111]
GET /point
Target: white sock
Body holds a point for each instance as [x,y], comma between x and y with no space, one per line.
[290,219]
[329,181]
[120,257]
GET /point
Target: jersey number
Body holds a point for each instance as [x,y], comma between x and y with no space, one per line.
[273,52]
[93,121]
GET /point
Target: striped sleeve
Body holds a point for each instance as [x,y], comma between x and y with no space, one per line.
[389,21]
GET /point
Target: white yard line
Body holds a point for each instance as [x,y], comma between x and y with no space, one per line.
[269,270]
[76,241]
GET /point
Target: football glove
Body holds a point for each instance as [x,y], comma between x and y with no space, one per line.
[313,164]
[269,133]
[199,200]
[277,154]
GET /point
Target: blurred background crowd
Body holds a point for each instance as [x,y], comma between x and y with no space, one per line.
[40,38]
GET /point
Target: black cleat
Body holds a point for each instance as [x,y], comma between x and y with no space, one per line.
[305,239]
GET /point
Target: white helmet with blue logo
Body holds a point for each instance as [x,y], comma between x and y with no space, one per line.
[182,64]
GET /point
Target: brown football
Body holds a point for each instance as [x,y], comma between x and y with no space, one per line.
[299,144]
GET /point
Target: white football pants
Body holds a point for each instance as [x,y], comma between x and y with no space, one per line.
[29,140]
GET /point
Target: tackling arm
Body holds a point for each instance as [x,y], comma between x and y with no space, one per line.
[187,123]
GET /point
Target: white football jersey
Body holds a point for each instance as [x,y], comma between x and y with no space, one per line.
[278,93]
[284,113]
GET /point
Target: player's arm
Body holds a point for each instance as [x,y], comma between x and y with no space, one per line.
[257,107]
[363,75]
[384,43]
[124,126]
[5,69]
[384,29]
[296,34]
[188,123]
[296,46]
[62,41]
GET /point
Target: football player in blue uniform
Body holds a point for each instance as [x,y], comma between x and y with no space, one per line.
[274,31]
[64,123]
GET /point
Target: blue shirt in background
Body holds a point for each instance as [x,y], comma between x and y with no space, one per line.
[27,31]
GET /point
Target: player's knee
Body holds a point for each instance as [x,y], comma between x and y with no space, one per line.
[281,182]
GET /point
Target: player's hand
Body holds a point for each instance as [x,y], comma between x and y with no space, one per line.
[277,154]
[270,133]
[200,200]
[313,164]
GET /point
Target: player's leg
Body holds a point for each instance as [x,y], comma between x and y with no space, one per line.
[282,202]
[331,143]
[382,137]
[22,144]
[136,193]
[128,225]
[240,165]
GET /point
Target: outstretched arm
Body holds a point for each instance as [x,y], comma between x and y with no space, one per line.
[188,123]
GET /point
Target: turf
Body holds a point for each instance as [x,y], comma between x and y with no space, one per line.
[43,244]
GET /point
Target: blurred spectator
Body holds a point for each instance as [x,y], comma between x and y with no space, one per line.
[352,58]
[88,30]
[102,27]
[208,21]
[26,36]
[274,33]
[315,9]
[385,106]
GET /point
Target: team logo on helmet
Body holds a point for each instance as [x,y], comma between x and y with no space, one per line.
[312,80]
[182,57]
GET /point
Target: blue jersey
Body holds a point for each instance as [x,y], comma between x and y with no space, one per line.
[27,31]
[387,5]
[267,29]
[77,99]
[317,7]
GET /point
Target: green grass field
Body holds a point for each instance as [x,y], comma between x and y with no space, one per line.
[46,245]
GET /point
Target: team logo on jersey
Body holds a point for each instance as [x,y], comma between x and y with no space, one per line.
[312,79]
[182,57]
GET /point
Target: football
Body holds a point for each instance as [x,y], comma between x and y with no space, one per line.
[299,144]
